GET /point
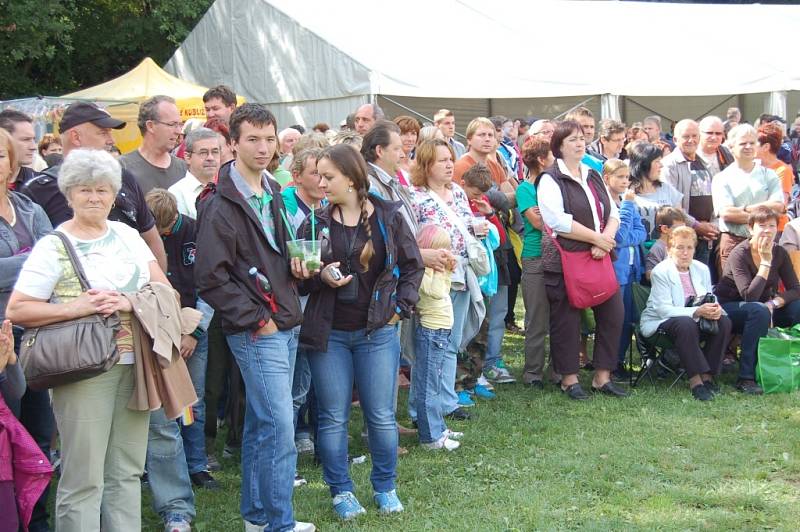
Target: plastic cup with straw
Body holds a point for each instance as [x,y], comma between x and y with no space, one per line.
[294,246]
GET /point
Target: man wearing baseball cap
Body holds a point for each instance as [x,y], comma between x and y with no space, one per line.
[84,125]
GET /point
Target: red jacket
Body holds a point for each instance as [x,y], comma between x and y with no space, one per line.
[24,469]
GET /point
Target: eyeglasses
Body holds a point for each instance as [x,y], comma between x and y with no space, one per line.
[171,125]
[205,153]
[720,133]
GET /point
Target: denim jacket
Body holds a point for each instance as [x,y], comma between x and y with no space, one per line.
[35,221]
[630,235]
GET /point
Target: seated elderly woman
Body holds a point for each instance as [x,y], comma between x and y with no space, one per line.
[674,281]
[103,442]
[749,291]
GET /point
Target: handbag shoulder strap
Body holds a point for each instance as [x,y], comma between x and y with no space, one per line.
[597,204]
[73,259]
[454,218]
[553,238]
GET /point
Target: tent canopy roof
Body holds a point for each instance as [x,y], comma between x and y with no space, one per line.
[289,51]
[144,81]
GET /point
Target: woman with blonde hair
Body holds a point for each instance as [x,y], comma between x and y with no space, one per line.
[674,280]
[438,200]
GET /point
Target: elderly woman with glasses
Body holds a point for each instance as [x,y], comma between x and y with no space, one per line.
[103,442]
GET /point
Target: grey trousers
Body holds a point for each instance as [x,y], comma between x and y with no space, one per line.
[537,319]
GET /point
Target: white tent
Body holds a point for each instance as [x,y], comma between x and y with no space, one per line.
[317,60]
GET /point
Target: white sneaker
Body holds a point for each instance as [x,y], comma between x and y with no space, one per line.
[453,435]
[300,526]
[252,527]
[177,523]
[442,443]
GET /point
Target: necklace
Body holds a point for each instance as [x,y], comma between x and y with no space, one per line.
[13,211]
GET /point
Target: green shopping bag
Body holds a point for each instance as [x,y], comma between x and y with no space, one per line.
[778,368]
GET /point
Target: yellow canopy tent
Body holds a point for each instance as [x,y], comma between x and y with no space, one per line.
[144,81]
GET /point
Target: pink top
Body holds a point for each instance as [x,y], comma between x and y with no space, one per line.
[686,284]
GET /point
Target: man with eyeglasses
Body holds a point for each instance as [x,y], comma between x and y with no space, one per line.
[203,155]
[152,163]
[610,142]
[712,134]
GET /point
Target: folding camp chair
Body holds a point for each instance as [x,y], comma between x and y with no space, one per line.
[653,350]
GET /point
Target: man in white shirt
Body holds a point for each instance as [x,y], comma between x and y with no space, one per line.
[203,153]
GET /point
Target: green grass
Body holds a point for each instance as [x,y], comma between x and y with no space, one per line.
[538,461]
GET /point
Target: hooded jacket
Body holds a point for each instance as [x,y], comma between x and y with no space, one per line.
[35,221]
[24,469]
[231,240]
[396,289]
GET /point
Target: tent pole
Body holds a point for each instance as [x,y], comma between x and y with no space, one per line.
[565,113]
[413,112]
[703,115]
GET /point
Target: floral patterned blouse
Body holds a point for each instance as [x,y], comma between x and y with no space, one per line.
[428,211]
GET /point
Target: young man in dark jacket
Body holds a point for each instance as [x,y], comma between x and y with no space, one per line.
[241,227]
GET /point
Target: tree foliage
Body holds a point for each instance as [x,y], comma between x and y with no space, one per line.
[51,47]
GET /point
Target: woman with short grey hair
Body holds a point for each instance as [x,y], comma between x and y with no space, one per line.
[103,442]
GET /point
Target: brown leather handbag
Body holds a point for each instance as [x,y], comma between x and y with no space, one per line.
[72,350]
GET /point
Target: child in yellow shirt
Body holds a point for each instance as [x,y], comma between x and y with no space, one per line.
[435,319]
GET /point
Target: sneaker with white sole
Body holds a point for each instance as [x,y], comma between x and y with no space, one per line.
[483,381]
[299,480]
[252,527]
[498,375]
[464,399]
[453,435]
[442,443]
[176,523]
[347,506]
[388,502]
[483,392]
[300,526]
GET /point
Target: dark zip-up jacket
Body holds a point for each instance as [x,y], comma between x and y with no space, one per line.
[231,240]
[395,291]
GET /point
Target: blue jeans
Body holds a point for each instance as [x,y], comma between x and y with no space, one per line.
[166,468]
[751,320]
[627,322]
[194,438]
[449,398]
[372,361]
[496,314]
[431,346]
[301,383]
[269,456]
[461,302]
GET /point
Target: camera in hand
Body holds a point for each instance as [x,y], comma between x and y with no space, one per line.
[335,273]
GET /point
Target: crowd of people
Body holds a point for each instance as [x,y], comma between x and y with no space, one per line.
[270,279]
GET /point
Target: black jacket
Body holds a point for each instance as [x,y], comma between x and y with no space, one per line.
[397,287]
[230,240]
[181,248]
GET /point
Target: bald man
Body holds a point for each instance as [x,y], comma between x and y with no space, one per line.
[688,173]
[712,150]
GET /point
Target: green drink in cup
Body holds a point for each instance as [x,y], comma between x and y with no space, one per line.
[312,254]
[295,248]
